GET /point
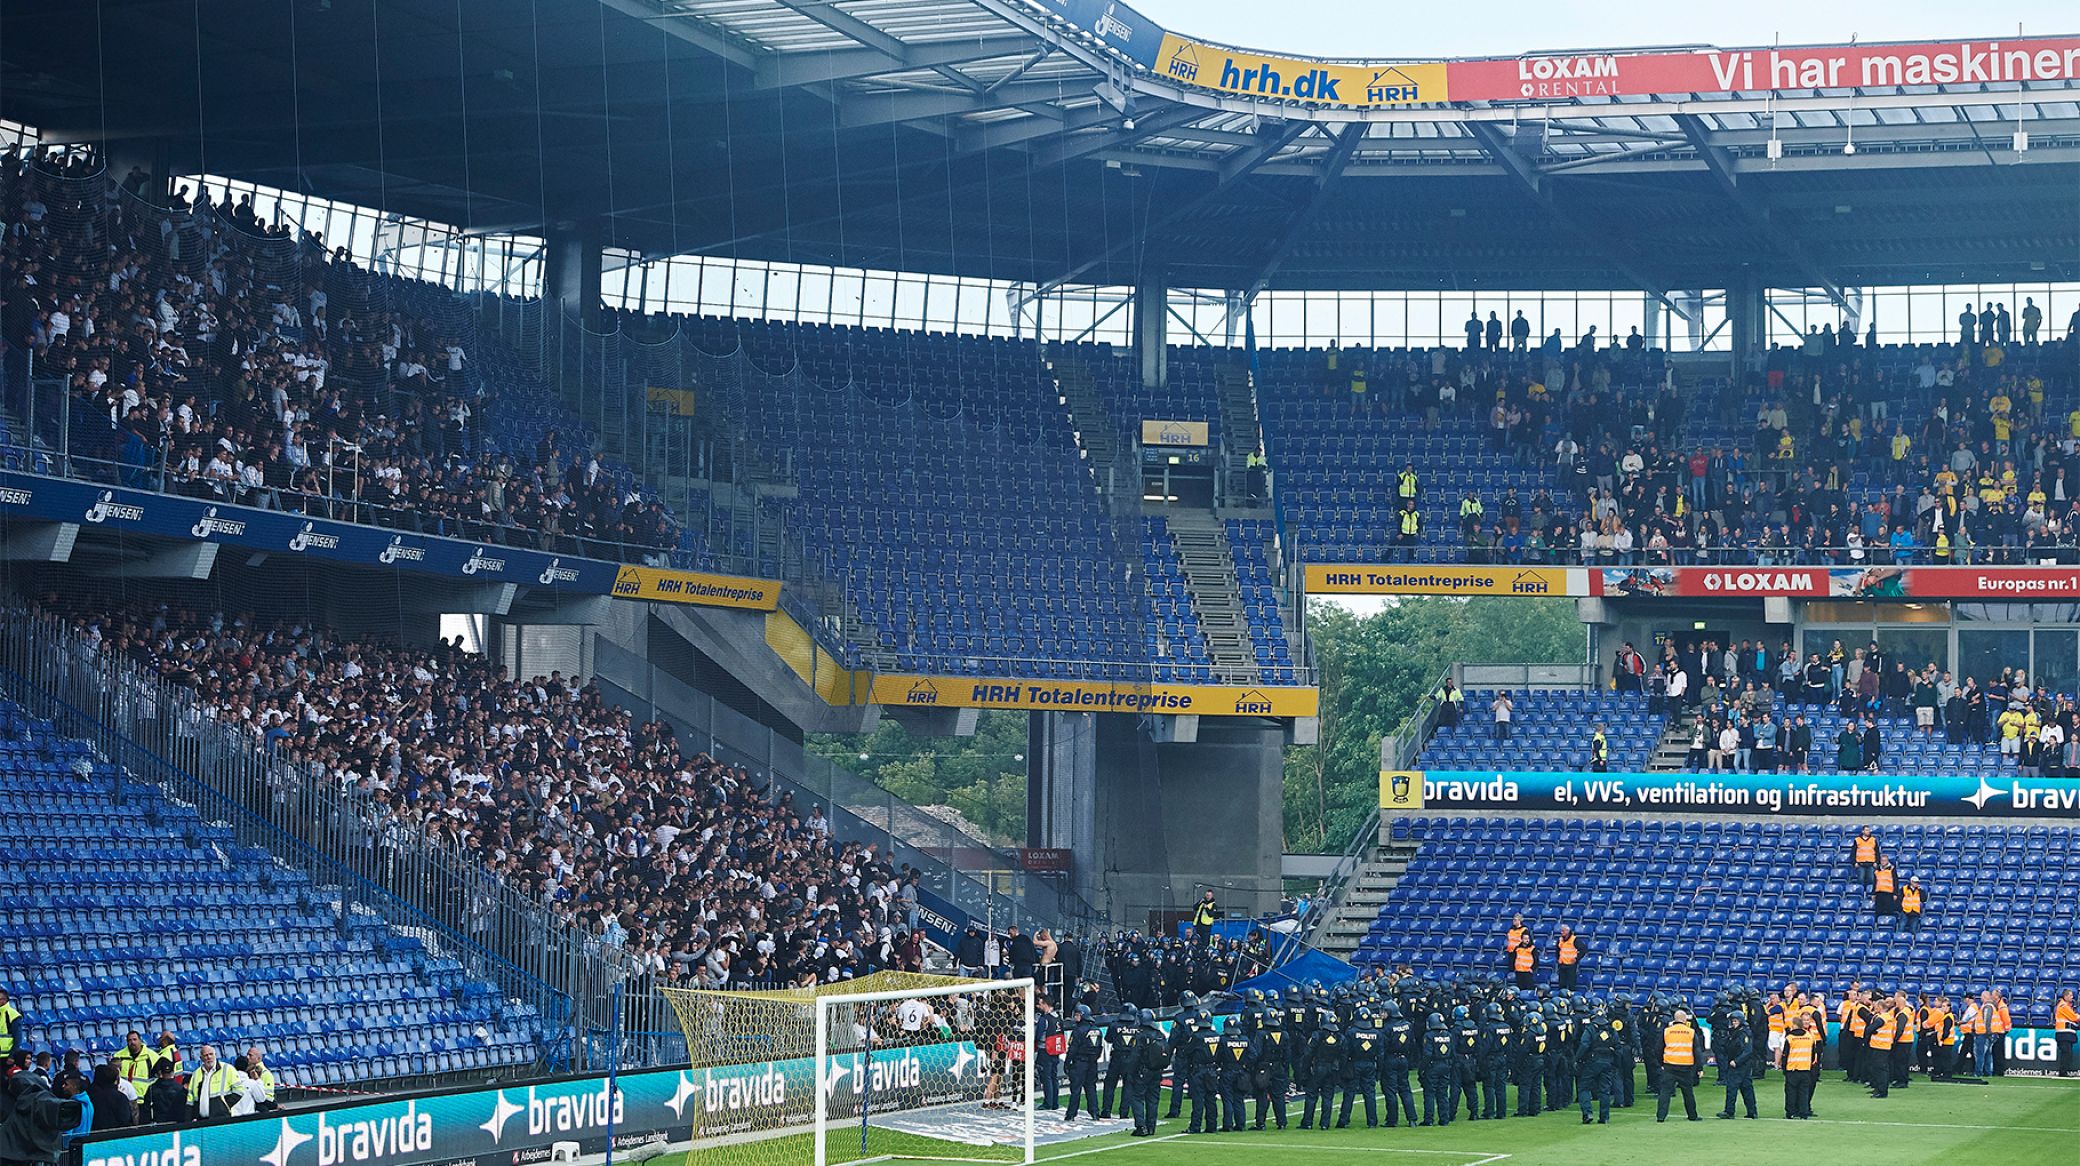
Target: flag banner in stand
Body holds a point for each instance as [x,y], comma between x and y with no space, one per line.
[1095,696]
[1858,795]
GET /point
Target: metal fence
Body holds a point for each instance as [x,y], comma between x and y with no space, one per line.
[436,891]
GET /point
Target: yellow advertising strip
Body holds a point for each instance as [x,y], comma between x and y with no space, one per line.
[666,586]
[1206,700]
[1174,433]
[1286,79]
[807,659]
[1403,579]
[1400,789]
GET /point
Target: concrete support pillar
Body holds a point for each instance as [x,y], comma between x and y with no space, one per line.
[571,269]
[1152,823]
[1152,328]
[1747,317]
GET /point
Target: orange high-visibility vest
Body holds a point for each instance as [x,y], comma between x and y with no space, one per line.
[1524,958]
[1881,1032]
[1679,1045]
[1884,880]
[1858,1020]
[1568,952]
[1946,1028]
[1775,1011]
[2002,1022]
[1518,937]
[1975,1020]
[2065,1018]
[1798,1051]
[1927,1018]
[1910,900]
[1816,1020]
[1866,850]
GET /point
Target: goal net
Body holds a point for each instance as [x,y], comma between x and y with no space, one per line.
[892,1066]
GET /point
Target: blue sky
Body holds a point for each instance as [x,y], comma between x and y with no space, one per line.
[1383,28]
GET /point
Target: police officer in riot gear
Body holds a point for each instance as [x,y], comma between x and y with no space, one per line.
[1363,1046]
[1272,1056]
[1235,1060]
[1597,1057]
[1395,1058]
[1326,1061]
[1496,1055]
[1086,1044]
[1437,1065]
[1531,1064]
[1733,1047]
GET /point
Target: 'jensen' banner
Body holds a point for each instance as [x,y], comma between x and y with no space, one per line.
[1094,696]
[141,512]
[1856,795]
[520,1123]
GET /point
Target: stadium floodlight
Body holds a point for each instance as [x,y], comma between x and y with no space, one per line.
[890,1065]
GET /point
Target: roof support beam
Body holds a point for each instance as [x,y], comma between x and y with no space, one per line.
[1068,148]
[829,15]
[1234,168]
[1528,175]
[872,109]
[694,31]
[1756,211]
[1339,159]
[781,70]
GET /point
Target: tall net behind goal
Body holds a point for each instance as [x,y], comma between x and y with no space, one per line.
[890,1066]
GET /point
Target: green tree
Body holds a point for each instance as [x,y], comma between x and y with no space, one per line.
[1375,669]
[983,777]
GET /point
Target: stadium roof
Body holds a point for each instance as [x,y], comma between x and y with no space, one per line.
[994,138]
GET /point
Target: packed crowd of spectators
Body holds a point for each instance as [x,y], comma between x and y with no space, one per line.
[206,352]
[1754,708]
[689,866]
[1852,458]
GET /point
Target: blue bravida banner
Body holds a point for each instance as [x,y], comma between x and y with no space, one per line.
[519,1123]
[248,528]
[1856,795]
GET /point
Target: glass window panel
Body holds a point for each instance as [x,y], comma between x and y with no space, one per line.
[1983,653]
[2052,660]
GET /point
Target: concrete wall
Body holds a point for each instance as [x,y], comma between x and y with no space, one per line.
[1152,825]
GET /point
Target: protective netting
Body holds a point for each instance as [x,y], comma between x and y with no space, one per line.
[901,1066]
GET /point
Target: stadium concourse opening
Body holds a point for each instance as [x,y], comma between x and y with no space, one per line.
[775,581]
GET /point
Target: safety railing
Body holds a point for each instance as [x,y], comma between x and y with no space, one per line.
[117,707]
[299,808]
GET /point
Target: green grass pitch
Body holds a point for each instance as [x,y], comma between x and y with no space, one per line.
[2009,1122]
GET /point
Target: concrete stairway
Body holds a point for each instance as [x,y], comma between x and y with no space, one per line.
[1241,433]
[1672,753]
[1097,430]
[1209,571]
[1363,896]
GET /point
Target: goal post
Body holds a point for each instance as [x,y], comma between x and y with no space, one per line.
[892,1066]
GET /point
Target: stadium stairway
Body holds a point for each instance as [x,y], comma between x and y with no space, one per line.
[127,910]
[1690,906]
[1350,920]
[1209,572]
